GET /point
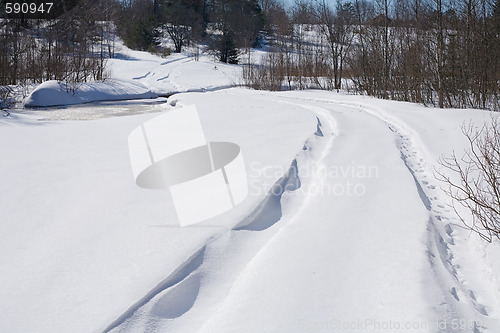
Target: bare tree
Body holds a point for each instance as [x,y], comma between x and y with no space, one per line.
[478,185]
[302,20]
[338,29]
[68,48]
[182,20]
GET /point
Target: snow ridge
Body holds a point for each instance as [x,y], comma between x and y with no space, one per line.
[180,287]
[269,211]
[178,293]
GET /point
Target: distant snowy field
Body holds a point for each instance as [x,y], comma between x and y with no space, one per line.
[362,240]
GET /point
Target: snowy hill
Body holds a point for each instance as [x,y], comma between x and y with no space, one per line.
[345,227]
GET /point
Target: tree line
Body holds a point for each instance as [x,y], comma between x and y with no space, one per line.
[227,26]
[71,47]
[425,51]
[436,52]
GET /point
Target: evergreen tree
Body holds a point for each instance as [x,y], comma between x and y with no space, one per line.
[239,23]
[138,26]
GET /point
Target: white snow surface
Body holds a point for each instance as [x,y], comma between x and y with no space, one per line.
[345,228]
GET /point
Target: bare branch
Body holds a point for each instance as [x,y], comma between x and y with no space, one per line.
[478,173]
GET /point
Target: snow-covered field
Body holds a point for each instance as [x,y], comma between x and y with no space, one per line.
[345,228]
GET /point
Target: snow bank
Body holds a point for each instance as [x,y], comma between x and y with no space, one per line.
[51,93]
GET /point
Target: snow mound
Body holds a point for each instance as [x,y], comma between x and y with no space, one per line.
[52,93]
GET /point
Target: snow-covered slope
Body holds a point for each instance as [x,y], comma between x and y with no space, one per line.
[175,73]
[345,227]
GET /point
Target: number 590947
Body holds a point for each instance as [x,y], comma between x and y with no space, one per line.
[27,8]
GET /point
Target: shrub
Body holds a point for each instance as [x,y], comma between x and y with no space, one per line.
[478,185]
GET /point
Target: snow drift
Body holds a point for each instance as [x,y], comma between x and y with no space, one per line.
[53,93]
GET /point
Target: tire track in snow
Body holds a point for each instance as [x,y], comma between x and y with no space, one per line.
[323,139]
[458,299]
[178,292]
[440,233]
[440,239]
[269,211]
[377,291]
[328,126]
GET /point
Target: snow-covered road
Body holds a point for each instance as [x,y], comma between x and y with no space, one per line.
[358,243]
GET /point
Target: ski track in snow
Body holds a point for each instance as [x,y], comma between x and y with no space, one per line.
[142,76]
[151,75]
[178,292]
